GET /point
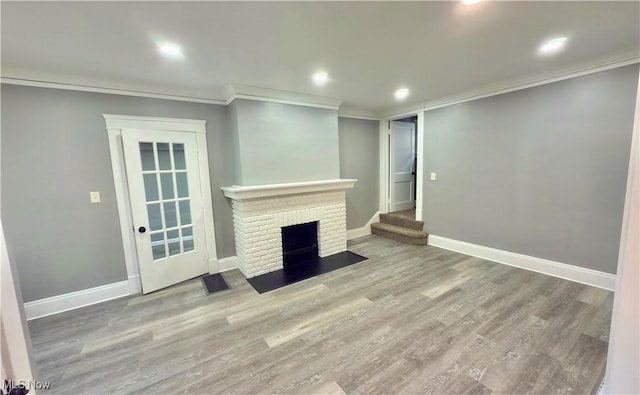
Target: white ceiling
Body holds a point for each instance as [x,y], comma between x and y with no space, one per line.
[437,49]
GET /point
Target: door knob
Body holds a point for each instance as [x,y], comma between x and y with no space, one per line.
[142,229]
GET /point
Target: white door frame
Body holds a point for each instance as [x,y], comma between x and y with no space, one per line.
[114,126]
[384,161]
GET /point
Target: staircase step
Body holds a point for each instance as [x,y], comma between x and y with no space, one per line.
[399,233]
[399,220]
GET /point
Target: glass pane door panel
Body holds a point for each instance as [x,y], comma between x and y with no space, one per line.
[173,240]
[146,155]
[164,158]
[185,212]
[178,157]
[155,217]
[170,218]
[182,185]
[151,187]
[187,239]
[158,246]
[166,181]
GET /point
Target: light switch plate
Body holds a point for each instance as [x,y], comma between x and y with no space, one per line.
[95,197]
[433,176]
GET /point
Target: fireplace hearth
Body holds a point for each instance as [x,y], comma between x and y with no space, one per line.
[314,267]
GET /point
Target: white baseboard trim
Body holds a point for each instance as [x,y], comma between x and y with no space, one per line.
[135,285]
[556,269]
[358,232]
[228,263]
[74,300]
[365,230]
[61,303]
[212,264]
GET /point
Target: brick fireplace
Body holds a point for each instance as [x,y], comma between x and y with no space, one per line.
[260,212]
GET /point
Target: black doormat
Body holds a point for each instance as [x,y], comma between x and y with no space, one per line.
[278,279]
[214,283]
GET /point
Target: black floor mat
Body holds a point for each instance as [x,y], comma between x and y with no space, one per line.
[214,283]
[278,279]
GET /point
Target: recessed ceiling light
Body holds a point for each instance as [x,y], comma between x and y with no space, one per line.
[402,93]
[171,50]
[470,2]
[552,46]
[320,78]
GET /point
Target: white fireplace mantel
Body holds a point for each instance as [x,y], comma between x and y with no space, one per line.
[237,192]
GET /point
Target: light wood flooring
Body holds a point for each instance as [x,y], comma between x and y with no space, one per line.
[411,319]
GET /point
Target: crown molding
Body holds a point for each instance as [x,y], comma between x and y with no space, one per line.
[111,91]
[355,116]
[293,98]
[235,91]
[412,109]
[355,113]
[404,112]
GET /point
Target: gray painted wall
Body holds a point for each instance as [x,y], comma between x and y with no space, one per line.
[54,152]
[360,159]
[281,143]
[541,171]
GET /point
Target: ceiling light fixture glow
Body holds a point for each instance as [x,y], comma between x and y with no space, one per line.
[470,2]
[171,50]
[320,78]
[552,46]
[402,93]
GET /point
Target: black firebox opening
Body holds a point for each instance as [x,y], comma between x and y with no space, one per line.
[299,243]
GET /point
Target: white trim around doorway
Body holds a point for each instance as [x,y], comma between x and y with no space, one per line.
[419,165]
[384,162]
[114,126]
[384,167]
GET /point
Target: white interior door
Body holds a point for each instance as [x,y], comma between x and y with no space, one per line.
[166,201]
[402,153]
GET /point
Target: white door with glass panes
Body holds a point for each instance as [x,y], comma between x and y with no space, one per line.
[166,203]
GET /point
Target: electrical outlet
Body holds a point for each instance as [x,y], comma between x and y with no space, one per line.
[433,176]
[94,197]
